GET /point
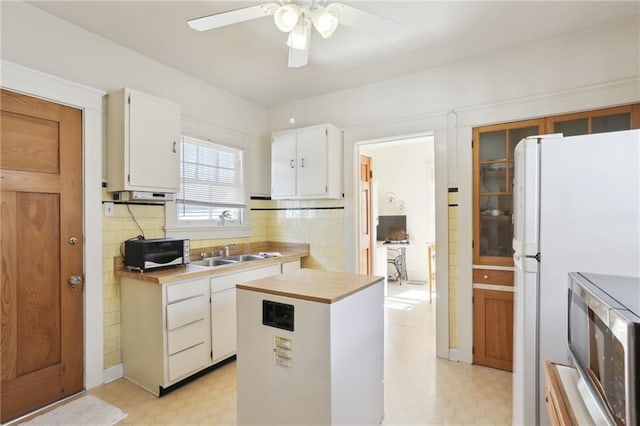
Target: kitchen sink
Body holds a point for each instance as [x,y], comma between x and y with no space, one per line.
[243,257]
[213,262]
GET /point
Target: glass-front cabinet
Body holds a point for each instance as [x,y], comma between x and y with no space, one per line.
[493,182]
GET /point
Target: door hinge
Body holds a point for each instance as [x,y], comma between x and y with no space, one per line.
[326,189]
[129,178]
[472,244]
[473,350]
[129,99]
[211,354]
[370,174]
[326,132]
[471,143]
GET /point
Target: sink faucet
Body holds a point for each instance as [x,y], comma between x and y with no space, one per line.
[223,250]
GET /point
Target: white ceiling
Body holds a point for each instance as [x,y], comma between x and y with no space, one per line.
[250,59]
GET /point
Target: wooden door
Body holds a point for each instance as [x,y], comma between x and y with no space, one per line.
[41,211]
[365,216]
[493,328]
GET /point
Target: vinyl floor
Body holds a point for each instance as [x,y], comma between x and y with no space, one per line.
[420,389]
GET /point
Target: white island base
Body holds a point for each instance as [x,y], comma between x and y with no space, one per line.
[329,369]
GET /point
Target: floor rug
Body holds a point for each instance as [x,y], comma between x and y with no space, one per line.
[87,410]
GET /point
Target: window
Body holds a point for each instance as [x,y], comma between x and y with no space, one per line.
[211,201]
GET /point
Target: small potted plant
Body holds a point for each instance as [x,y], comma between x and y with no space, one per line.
[226,214]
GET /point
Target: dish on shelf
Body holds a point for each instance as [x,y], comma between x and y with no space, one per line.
[492,212]
[496,167]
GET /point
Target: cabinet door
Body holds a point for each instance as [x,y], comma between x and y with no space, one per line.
[223,323]
[283,165]
[493,328]
[493,153]
[312,161]
[154,135]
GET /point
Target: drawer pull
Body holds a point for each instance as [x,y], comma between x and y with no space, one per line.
[486,277]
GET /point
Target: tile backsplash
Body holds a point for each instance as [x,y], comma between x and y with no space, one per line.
[319,223]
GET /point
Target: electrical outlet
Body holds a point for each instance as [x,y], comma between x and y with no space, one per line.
[109,209]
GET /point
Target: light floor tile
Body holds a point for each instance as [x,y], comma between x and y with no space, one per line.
[420,389]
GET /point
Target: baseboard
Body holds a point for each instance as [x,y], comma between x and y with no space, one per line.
[459,356]
[112,373]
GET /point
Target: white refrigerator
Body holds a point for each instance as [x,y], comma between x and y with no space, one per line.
[576,208]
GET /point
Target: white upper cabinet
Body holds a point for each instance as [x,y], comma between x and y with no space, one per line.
[143,136]
[306,163]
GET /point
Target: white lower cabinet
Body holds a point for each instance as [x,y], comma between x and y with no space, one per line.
[294,265]
[171,331]
[166,331]
[223,308]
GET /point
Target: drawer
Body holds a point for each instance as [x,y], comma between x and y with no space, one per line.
[291,266]
[186,290]
[187,311]
[490,276]
[229,281]
[188,361]
[186,336]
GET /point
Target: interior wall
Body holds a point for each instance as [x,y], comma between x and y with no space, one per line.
[41,41]
[590,69]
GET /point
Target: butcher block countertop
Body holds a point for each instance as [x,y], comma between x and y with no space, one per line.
[312,284]
[288,251]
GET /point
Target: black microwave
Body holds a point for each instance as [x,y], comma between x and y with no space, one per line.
[146,254]
[604,343]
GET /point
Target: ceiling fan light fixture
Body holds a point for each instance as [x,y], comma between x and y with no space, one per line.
[324,21]
[286,17]
[299,36]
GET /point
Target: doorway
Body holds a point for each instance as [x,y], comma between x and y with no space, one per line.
[403,191]
[42,253]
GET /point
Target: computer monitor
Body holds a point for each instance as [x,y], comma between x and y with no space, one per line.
[391,228]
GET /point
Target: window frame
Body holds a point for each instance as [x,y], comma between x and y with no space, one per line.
[201,230]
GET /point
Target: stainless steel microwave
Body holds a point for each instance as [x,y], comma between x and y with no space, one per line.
[153,253]
[604,342]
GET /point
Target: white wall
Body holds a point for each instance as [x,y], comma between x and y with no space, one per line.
[38,40]
[591,69]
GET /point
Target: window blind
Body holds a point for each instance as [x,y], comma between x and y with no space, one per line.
[210,174]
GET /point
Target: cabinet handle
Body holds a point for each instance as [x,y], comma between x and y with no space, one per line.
[485,276]
[302,162]
[291,163]
[174,147]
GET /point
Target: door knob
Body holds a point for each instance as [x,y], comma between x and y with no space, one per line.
[74,281]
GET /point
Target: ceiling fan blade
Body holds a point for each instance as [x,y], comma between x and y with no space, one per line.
[375,25]
[232,17]
[298,58]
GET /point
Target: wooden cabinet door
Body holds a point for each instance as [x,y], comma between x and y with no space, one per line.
[493,328]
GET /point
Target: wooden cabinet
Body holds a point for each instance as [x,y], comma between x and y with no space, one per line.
[493,328]
[143,138]
[493,154]
[306,163]
[493,170]
[165,331]
[223,309]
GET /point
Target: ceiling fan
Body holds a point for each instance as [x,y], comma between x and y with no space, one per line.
[296,17]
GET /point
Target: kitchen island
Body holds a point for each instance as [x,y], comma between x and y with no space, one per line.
[310,349]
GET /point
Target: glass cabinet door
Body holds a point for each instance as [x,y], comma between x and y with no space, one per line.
[494,148]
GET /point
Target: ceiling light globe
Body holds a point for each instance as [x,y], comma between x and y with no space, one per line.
[286,17]
[324,21]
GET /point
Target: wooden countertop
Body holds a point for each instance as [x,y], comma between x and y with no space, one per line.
[288,251]
[312,284]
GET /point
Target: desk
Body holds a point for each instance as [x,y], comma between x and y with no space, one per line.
[399,261]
